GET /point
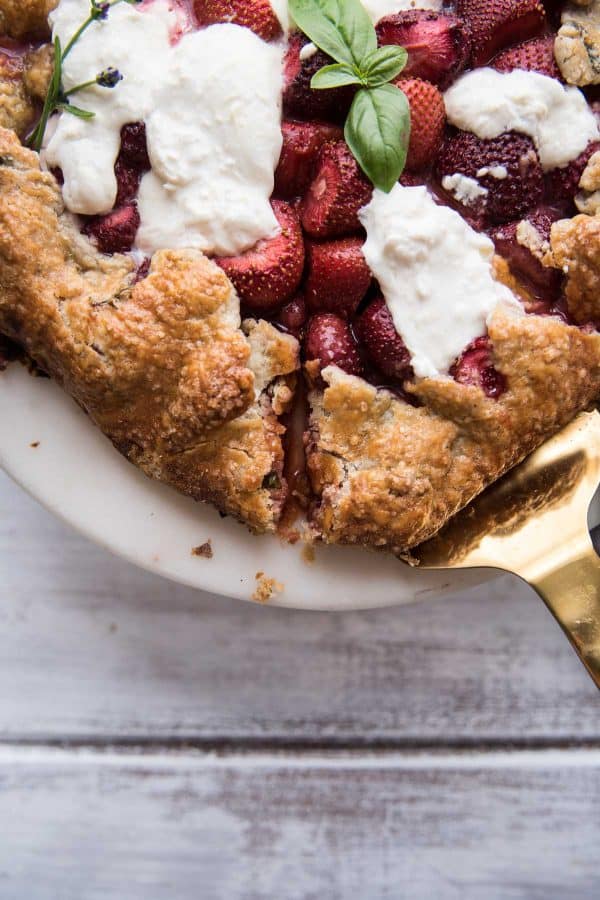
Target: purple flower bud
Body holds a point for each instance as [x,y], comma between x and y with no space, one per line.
[109,78]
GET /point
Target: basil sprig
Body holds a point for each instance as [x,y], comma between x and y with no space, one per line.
[378,125]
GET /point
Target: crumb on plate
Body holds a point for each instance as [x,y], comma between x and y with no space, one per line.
[204,551]
[266,588]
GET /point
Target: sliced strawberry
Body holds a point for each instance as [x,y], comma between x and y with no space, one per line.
[329,340]
[257,15]
[536,55]
[115,232]
[494,24]
[134,149]
[131,163]
[476,367]
[266,276]
[543,281]
[291,318]
[511,156]
[300,101]
[337,276]
[427,120]
[338,191]
[563,184]
[301,144]
[128,183]
[438,45]
[384,347]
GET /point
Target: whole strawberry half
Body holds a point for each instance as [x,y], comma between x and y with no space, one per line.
[291,318]
[134,148]
[544,282]
[563,184]
[512,155]
[131,163]
[336,194]
[301,144]
[257,15]
[427,120]
[383,345]
[300,101]
[494,24]
[115,232]
[268,274]
[536,55]
[337,276]
[476,367]
[438,45]
[330,342]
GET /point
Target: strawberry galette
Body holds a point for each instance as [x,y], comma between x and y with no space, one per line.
[325,254]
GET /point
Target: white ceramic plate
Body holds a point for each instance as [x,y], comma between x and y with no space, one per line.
[76,473]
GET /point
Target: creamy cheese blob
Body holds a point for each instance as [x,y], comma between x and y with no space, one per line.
[435,273]
[280,8]
[556,117]
[212,107]
[464,189]
[377,9]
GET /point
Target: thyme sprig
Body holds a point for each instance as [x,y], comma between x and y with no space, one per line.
[57,97]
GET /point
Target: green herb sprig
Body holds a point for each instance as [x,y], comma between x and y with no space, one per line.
[59,99]
[377,129]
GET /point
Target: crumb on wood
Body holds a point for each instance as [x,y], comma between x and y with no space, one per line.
[34,445]
[266,588]
[204,551]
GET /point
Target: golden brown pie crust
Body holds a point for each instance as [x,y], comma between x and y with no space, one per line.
[23,17]
[165,369]
[390,475]
[162,366]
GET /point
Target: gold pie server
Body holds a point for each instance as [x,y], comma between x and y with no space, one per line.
[534,523]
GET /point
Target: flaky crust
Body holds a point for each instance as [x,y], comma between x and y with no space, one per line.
[575,249]
[23,84]
[24,17]
[389,474]
[162,365]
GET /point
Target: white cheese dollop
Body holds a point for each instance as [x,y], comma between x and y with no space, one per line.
[280,8]
[435,273]
[377,9]
[555,116]
[212,107]
[464,189]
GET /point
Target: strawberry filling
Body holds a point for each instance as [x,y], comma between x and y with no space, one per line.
[311,279]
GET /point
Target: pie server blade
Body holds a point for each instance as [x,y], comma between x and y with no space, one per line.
[534,523]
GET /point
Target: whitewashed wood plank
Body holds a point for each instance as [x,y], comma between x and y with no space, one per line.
[92,647]
[499,827]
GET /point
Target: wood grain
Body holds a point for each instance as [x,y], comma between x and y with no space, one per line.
[95,649]
[91,826]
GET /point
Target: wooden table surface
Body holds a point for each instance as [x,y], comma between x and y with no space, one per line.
[156,742]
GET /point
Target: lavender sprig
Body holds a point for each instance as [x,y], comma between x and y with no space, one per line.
[57,98]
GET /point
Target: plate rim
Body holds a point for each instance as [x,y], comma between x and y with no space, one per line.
[16,383]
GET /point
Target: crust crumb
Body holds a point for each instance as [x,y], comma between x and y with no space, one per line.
[204,551]
[577,45]
[34,445]
[308,554]
[266,588]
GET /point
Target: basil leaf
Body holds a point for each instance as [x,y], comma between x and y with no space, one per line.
[341,28]
[76,111]
[377,132]
[383,65]
[338,75]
